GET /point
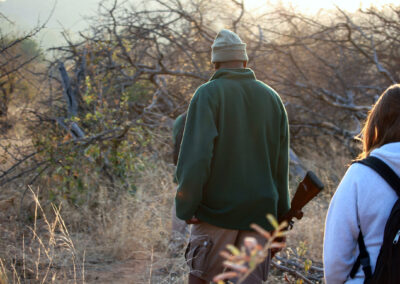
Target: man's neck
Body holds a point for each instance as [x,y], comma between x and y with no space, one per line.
[231,65]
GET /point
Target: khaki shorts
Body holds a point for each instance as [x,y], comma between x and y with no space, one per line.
[205,244]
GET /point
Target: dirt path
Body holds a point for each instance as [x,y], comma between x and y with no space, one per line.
[128,272]
[160,270]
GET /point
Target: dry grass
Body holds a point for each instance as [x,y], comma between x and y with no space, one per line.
[136,230]
[122,240]
[42,252]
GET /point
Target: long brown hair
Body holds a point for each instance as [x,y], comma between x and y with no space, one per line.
[383,122]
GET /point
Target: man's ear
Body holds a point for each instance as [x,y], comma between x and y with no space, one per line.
[216,65]
[244,64]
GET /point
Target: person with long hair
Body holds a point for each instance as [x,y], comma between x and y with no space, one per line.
[363,201]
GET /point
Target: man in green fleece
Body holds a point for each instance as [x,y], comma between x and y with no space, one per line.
[233,163]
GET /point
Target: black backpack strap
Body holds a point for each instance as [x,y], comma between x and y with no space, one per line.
[362,259]
[394,181]
[384,171]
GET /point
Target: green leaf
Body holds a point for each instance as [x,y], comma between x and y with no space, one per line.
[307,265]
[273,221]
[234,250]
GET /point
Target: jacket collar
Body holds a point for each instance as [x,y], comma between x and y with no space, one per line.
[234,74]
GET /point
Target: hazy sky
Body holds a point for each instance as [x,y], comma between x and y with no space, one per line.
[69,14]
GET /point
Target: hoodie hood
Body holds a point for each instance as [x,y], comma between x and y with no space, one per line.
[390,154]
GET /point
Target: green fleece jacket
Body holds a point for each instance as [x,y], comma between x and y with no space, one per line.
[234,158]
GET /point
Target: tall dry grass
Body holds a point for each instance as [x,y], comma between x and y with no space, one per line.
[42,252]
[124,239]
[135,231]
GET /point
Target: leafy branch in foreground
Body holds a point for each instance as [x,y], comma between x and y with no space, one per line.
[242,262]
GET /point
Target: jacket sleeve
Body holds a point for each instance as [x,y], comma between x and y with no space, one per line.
[341,231]
[283,166]
[196,153]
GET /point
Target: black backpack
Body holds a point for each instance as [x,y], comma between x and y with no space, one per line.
[387,269]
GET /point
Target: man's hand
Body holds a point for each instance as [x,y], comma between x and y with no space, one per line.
[276,250]
[194,220]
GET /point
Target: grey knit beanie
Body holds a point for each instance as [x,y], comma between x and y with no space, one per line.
[228,46]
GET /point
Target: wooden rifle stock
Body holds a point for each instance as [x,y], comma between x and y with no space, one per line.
[308,188]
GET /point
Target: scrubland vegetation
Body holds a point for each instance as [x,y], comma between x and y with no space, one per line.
[86,185]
